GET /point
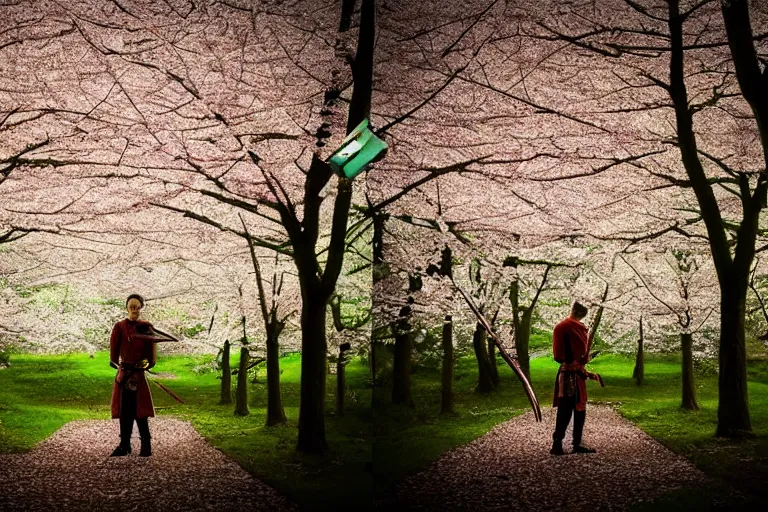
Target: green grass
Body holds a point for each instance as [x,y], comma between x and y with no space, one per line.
[406,440]
[38,394]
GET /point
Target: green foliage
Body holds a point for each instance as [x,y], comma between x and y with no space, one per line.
[43,291]
[191,332]
[428,348]
[161,312]
[98,336]
[541,340]
[208,364]
[116,303]
[5,355]
[38,394]
[355,310]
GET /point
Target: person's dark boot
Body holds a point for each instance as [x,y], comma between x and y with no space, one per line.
[123,449]
[583,449]
[557,447]
[146,447]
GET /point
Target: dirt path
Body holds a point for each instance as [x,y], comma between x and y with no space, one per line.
[72,470]
[510,468]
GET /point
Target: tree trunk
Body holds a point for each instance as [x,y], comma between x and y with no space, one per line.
[401,372]
[596,324]
[347,10]
[362,67]
[493,366]
[241,397]
[401,381]
[639,371]
[275,411]
[313,376]
[446,381]
[401,378]
[521,320]
[732,269]
[689,388]
[733,407]
[341,378]
[379,272]
[226,376]
[484,379]
[522,342]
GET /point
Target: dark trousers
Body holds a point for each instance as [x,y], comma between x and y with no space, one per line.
[127,415]
[565,408]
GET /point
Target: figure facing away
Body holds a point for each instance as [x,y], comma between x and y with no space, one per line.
[569,347]
[131,356]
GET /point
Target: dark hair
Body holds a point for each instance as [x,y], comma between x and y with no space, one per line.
[134,296]
[579,310]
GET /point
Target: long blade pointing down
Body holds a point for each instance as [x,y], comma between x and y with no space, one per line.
[511,361]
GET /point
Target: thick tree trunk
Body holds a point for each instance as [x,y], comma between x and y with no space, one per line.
[446,378]
[522,342]
[732,269]
[275,411]
[521,321]
[313,375]
[479,344]
[733,407]
[689,388]
[347,10]
[341,378]
[446,386]
[379,272]
[226,376]
[241,396]
[639,371]
[401,372]
[362,68]
[492,359]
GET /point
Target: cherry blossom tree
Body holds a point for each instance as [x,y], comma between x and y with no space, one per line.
[683,287]
[695,63]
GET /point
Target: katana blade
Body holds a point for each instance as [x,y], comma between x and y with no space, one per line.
[171,393]
[510,360]
[153,334]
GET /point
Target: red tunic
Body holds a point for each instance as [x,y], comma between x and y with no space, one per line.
[124,347]
[569,347]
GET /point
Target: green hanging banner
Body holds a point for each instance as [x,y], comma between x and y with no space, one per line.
[358,149]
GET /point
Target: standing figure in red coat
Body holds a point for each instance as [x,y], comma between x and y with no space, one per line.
[569,348]
[131,356]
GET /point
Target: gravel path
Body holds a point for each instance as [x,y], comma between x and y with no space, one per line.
[72,470]
[510,468]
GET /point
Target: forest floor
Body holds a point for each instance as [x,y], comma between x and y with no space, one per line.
[407,440]
[72,470]
[510,468]
[41,394]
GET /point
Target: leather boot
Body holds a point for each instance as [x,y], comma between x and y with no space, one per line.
[123,449]
[557,447]
[146,447]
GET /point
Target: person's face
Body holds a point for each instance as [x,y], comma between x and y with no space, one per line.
[134,308]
